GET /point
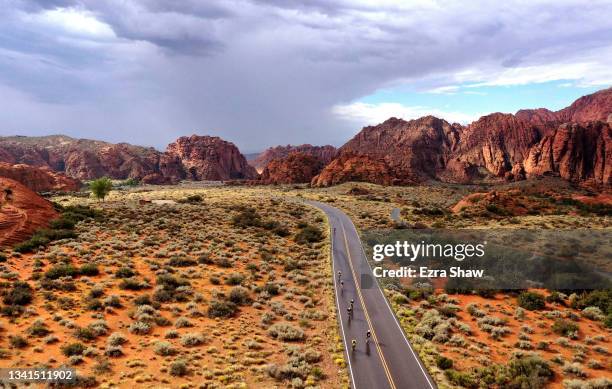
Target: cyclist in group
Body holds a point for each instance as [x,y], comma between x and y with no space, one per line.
[339,275]
[352,303]
[349,310]
[353,344]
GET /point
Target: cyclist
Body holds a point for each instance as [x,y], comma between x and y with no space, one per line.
[368,335]
[353,344]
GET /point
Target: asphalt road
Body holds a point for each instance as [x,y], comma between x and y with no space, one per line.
[388,361]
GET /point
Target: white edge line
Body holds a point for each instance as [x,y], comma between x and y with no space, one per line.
[348,357]
[416,357]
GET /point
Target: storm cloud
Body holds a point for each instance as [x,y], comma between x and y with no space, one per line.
[269,72]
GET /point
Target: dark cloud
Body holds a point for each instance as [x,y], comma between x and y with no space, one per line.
[263,72]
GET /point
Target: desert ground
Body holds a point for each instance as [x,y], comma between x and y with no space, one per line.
[230,286]
[205,288]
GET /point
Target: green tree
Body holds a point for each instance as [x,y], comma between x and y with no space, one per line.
[101,187]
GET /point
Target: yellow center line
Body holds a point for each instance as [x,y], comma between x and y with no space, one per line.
[365,311]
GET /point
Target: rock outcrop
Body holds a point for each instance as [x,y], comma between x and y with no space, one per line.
[210,158]
[325,154]
[295,168]
[573,143]
[350,167]
[195,158]
[83,159]
[593,107]
[21,212]
[580,153]
[39,179]
[498,142]
[413,150]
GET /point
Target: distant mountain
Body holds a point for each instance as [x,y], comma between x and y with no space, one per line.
[84,159]
[574,143]
[323,153]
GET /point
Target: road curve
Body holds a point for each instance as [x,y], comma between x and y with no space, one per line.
[388,361]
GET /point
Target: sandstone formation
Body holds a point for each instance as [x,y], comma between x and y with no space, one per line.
[573,143]
[596,106]
[580,153]
[210,158]
[21,212]
[413,150]
[195,157]
[349,167]
[39,179]
[81,158]
[295,168]
[325,154]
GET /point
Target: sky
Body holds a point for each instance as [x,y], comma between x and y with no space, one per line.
[266,72]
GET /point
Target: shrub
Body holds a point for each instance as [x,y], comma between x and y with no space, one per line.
[124,272]
[38,329]
[73,349]
[113,351]
[219,308]
[234,279]
[248,217]
[116,339]
[272,288]
[164,349]
[529,372]
[132,284]
[444,363]
[192,339]
[286,332]
[460,378]
[309,234]
[17,341]
[564,327]
[597,383]
[20,294]
[593,313]
[140,328]
[101,187]
[239,295]
[177,261]
[182,322]
[59,271]
[178,368]
[574,369]
[531,300]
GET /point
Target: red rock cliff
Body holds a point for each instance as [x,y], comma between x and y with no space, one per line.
[39,179]
[210,158]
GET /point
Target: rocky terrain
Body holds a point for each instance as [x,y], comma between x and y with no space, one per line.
[573,143]
[323,153]
[195,157]
[210,158]
[349,167]
[295,168]
[21,212]
[39,179]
